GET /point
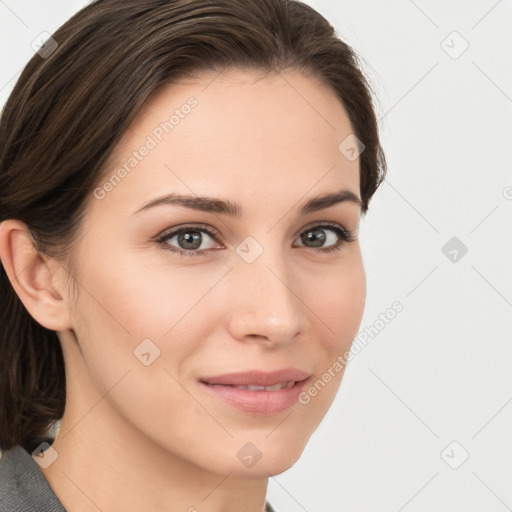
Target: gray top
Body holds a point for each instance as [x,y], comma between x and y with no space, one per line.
[24,488]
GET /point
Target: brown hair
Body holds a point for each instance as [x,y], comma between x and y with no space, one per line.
[73,102]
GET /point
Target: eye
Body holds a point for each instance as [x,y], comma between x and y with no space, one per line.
[326,237]
[193,240]
[189,240]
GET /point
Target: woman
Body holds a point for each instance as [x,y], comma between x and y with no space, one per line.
[181,187]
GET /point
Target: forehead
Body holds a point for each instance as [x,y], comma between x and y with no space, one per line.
[237,133]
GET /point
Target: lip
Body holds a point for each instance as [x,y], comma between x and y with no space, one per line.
[260,402]
[257,377]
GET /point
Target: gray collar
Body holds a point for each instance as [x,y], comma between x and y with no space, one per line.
[23,486]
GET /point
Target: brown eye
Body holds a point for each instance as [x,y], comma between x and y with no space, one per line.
[315,237]
[325,238]
[188,240]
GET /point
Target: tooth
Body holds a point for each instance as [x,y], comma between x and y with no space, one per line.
[275,387]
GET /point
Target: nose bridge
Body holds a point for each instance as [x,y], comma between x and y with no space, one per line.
[264,302]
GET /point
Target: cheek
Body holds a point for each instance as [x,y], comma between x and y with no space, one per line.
[338,302]
[132,302]
[147,301]
[337,299]
[120,311]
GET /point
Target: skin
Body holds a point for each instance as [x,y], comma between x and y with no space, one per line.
[136,437]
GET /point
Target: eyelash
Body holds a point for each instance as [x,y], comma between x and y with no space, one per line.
[344,235]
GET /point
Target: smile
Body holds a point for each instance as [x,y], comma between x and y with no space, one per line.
[257,392]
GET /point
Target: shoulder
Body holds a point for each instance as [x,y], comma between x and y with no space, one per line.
[23,486]
[269,508]
[11,468]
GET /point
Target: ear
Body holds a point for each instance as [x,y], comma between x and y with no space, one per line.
[38,280]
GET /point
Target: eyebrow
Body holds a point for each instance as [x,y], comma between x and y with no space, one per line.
[214,205]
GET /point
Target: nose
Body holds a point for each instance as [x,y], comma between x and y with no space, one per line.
[264,307]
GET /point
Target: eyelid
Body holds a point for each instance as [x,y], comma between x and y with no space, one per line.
[176,229]
[327,224]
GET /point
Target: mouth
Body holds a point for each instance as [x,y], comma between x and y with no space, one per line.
[257,392]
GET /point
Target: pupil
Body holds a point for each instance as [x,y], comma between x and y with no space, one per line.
[193,240]
[316,239]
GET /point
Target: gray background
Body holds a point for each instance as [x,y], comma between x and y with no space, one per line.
[424,414]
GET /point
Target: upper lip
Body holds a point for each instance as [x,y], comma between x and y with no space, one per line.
[258,377]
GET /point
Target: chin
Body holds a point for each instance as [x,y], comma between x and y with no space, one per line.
[263,469]
[271,459]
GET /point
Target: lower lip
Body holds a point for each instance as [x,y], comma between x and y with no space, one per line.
[262,403]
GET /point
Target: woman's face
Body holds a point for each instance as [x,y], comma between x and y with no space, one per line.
[162,317]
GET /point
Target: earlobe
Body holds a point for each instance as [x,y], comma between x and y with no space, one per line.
[33,276]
